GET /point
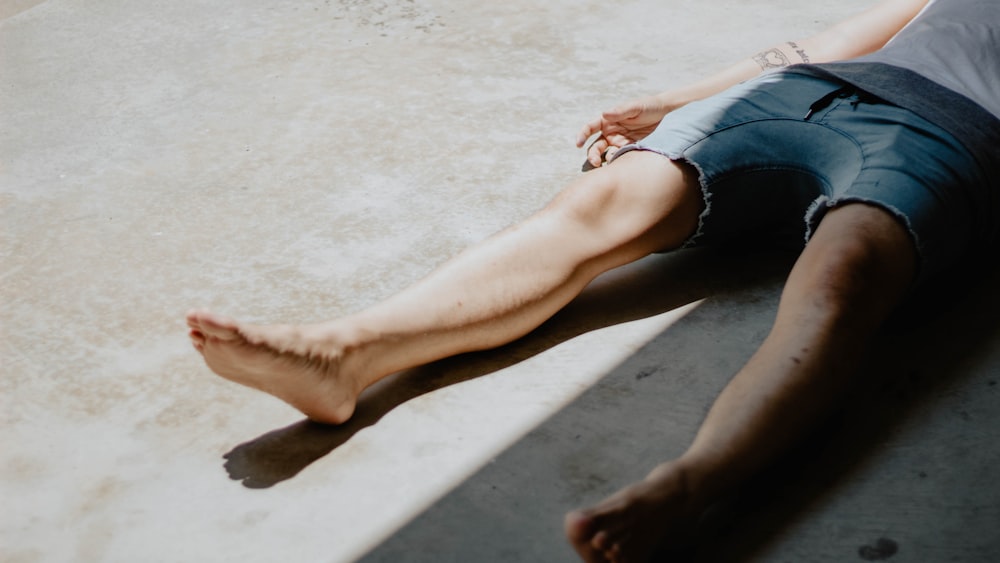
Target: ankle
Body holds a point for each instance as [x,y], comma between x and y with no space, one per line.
[694,482]
[345,343]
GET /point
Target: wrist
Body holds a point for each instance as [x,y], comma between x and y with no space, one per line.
[670,100]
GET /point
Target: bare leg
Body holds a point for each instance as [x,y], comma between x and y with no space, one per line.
[489,295]
[851,275]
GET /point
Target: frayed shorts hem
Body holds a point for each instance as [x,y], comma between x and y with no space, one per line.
[770,173]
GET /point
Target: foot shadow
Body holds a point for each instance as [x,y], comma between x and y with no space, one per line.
[651,286]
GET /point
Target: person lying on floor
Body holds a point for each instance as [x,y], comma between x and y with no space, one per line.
[883,167]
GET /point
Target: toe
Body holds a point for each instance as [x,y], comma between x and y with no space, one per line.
[579,530]
[197,338]
[601,541]
[192,318]
[217,326]
[614,554]
[577,525]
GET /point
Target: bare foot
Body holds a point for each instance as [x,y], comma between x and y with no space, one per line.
[631,525]
[298,364]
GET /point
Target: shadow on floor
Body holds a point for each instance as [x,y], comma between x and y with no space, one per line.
[651,286]
[934,376]
[906,470]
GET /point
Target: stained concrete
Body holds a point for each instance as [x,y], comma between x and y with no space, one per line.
[298,161]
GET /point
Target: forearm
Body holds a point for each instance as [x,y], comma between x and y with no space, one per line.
[861,34]
[775,57]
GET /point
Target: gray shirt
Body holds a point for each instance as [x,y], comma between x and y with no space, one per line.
[955,43]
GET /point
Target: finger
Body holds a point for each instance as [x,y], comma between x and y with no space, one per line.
[618,141]
[588,130]
[595,154]
[623,112]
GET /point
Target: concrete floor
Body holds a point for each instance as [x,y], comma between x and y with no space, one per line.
[301,160]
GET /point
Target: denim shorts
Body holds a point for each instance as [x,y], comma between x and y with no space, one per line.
[776,153]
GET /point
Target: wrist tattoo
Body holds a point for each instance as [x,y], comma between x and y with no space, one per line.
[771,58]
[799,51]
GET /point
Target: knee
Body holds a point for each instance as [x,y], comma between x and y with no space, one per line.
[641,193]
[587,199]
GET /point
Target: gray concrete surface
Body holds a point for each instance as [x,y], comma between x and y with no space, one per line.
[906,470]
[299,160]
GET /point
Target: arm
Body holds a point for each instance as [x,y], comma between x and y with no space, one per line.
[858,35]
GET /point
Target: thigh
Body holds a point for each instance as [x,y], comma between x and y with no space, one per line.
[858,242]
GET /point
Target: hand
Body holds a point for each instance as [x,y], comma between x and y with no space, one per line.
[622,125]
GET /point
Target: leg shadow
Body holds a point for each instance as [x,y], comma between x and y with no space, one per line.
[900,469]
